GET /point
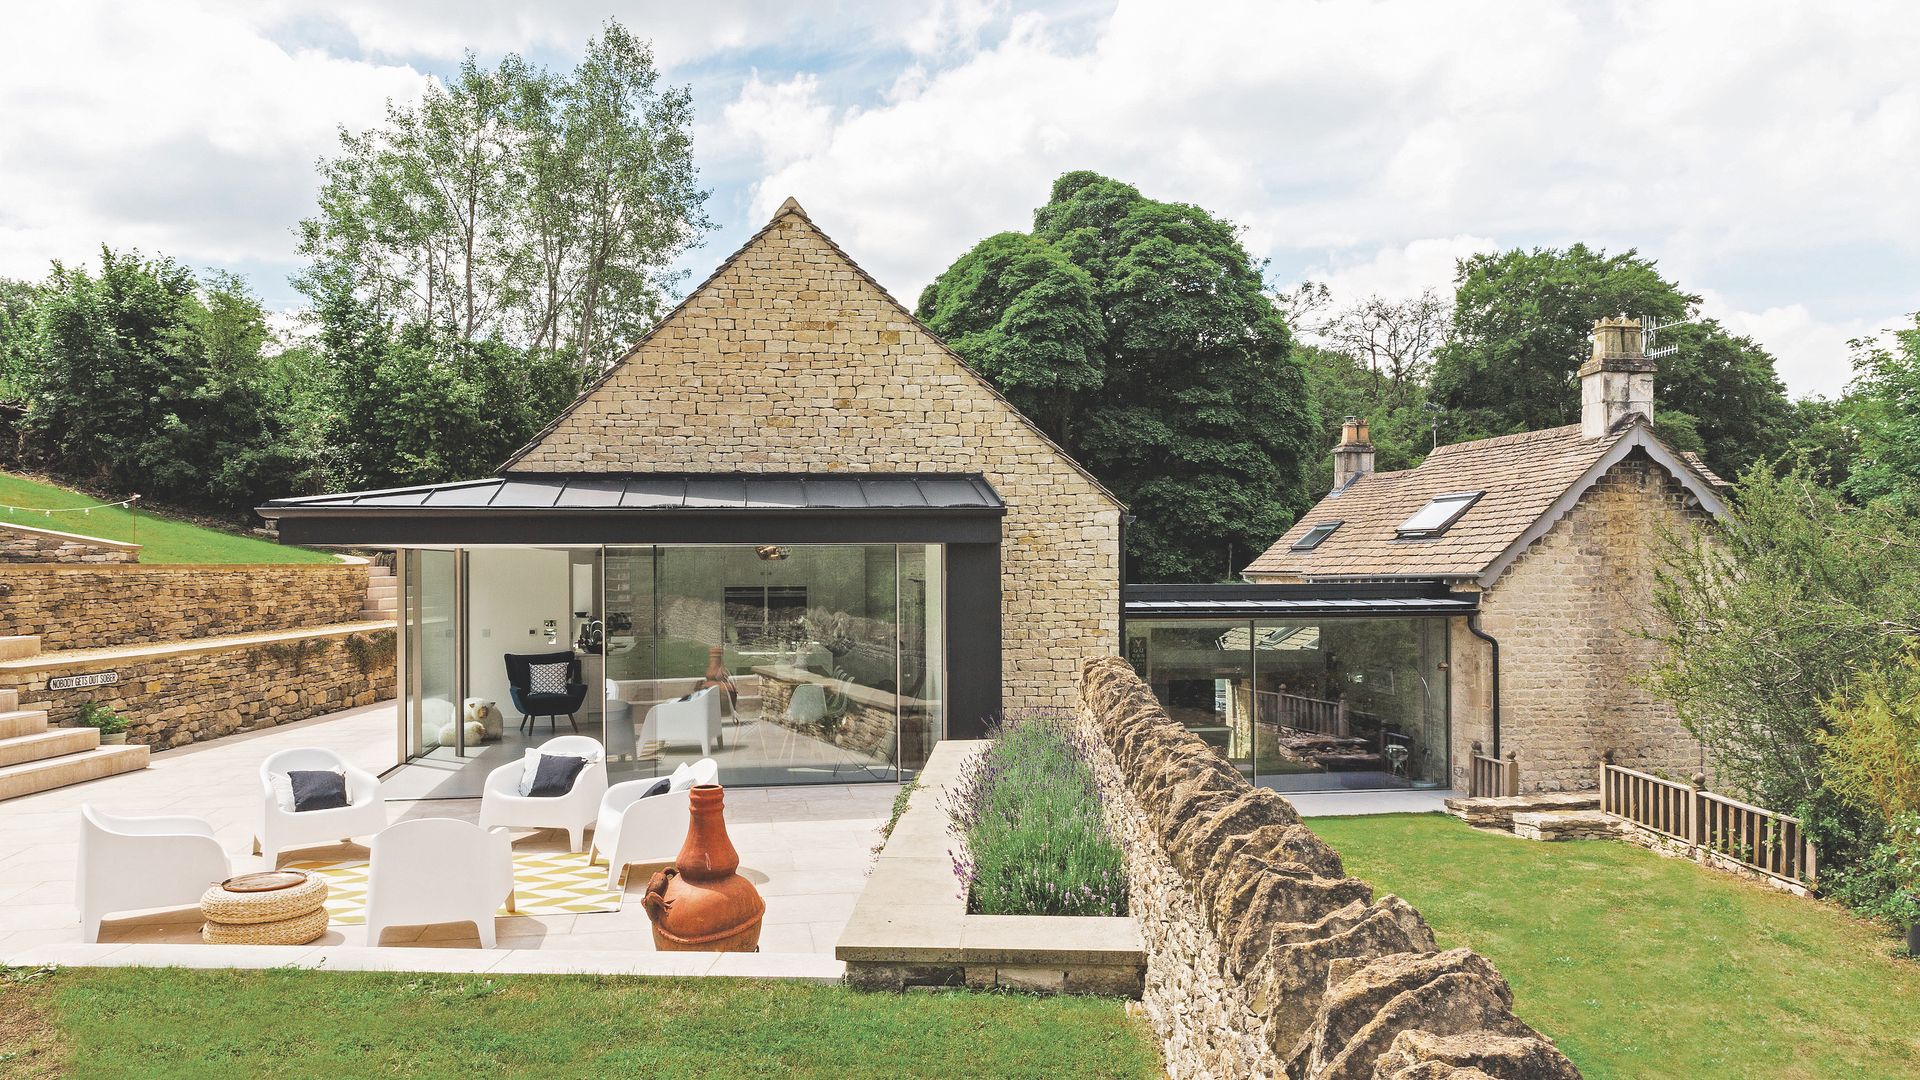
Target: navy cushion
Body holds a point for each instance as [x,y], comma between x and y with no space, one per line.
[555,775]
[317,789]
[660,787]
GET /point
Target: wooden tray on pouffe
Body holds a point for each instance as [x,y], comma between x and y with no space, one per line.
[265,881]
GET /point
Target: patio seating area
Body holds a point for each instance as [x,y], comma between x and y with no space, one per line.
[807,849]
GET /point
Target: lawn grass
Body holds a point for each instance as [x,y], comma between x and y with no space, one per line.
[158,1022]
[1639,966]
[162,539]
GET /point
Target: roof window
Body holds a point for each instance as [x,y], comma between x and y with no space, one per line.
[1313,536]
[1437,516]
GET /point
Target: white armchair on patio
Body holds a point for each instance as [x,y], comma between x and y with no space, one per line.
[282,827]
[694,720]
[132,863]
[438,870]
[636,828]
[502,805]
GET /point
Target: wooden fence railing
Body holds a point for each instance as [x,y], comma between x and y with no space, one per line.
[1756,838]
[1492,777]
[1318,715]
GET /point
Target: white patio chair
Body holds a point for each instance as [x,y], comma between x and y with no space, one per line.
[438,870]
[281,829]
[632,829]
[502,805]
[695,720]
[133,863]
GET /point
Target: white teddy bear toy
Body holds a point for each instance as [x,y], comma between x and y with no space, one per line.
[483,720]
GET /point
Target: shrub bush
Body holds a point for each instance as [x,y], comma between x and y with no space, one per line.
[1029,817]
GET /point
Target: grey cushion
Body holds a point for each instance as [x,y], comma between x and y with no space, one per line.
[660,787]
[555,775]
[547,678]
[317,789]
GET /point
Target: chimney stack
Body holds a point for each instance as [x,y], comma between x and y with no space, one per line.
[1617,382]
[1354,456]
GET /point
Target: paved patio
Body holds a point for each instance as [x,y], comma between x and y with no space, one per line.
[807,848]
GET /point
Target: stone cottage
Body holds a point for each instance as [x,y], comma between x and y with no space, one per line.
[788,485]
[1555,533]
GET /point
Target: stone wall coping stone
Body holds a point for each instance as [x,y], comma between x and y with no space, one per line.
[911,910]
[170,568]
[86,658]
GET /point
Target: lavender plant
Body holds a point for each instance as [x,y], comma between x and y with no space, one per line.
[1032,836]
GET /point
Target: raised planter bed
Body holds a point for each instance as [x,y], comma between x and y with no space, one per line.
[911,926]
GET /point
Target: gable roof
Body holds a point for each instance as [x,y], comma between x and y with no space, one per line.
[1527,483]
[791,207]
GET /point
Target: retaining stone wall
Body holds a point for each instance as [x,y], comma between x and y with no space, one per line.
[25,544]
[175,698]
[1263,958]
[791,360]
[87,607]
[1572,615]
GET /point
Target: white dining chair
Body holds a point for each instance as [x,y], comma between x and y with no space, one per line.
[430,871]
[134,863]
[502,805]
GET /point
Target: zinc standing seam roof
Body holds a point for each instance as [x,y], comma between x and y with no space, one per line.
[667,492]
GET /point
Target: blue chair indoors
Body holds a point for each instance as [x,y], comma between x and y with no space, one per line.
[546,684]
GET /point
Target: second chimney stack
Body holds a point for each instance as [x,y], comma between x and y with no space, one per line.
[1617,382]
[1354,456]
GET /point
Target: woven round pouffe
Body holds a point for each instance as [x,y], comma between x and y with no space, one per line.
[283,907]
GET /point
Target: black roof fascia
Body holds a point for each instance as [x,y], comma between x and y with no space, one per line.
[1370,599]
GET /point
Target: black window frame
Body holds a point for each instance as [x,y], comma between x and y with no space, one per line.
[1467,500]
[1316,536]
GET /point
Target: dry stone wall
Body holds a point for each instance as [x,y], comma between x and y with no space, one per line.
[91,607]
[790,359]
[173,697]
[25,544]
[1263,958]
[1572,615]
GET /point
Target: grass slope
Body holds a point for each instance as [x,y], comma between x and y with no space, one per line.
[157,1022]
[1640,966]
[162,539]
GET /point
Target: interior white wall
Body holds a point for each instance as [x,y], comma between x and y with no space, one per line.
[511,592]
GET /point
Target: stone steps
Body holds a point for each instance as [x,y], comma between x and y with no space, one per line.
[383,594]
[1565,825]
[20,647]
[17,722]
[1498,813]
[9,700]
[48,743]
[34,776]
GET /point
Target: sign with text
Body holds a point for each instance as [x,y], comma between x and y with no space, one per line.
[75,682]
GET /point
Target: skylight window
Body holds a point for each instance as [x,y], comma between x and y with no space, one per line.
[1435,517]
[1316,534]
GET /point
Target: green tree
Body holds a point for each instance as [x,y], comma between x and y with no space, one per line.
[19,302]
[1522,326]
[1137,333]
[537,208]
[1882,412]
[151,380]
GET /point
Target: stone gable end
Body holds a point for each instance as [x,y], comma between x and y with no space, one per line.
[1573,615]
[790,359]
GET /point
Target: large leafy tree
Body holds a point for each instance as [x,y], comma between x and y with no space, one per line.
[146,378]
[538,208]
[1881,411]
[1137,333]
[1522,326]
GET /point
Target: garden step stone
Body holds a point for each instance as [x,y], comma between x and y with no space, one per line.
[1566,825]
[1498,813]
[34,776]
[19,648]
[50,743]
[9,701]
[17,722]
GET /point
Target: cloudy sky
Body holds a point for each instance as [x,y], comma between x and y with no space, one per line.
[1765,154]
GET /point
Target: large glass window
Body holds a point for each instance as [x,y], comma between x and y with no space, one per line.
[432,648]
[1307,705]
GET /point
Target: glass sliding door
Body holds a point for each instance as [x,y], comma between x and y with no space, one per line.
[432,649]
[824,653]
[1202,672]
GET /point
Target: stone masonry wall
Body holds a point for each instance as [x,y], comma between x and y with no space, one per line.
[25,544]
[178,697]
[87,607]
[1263,958]
[791,360]
[1572,615]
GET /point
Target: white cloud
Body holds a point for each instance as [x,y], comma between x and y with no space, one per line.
[1398,273]
[1811,354]
[1713,137]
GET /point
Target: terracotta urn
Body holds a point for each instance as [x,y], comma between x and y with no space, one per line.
[701,903]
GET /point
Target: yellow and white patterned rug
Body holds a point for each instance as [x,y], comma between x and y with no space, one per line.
[544,883]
